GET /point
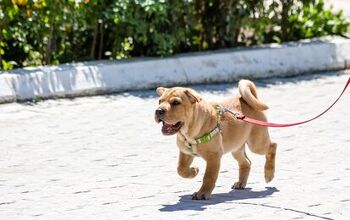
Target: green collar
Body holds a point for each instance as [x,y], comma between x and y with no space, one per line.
[209,136]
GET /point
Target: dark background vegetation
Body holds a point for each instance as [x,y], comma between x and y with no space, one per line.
[42,32]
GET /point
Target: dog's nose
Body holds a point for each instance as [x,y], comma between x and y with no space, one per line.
[160,111]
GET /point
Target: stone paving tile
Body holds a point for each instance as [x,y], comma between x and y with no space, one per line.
[105,158]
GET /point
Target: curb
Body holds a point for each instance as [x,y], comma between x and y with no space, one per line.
[92,78]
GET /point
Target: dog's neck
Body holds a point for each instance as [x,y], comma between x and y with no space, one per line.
[203,121]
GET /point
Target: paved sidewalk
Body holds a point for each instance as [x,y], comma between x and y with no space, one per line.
[105,158]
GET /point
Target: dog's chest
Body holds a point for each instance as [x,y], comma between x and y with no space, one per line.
[187,146]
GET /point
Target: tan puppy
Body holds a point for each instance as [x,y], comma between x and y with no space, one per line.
[183,112]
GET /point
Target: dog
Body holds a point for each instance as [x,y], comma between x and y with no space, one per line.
[203,130]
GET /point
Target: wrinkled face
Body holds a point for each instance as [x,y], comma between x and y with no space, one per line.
[175,108]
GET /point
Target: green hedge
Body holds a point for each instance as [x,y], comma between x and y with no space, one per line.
[41,32]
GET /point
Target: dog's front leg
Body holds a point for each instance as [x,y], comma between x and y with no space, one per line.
[184,169]
[210,176]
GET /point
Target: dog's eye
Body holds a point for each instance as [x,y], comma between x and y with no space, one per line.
[175,103]
[160,101]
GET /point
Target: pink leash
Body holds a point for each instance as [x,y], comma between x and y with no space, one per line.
[269,124]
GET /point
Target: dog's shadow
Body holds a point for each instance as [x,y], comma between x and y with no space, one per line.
[185,202]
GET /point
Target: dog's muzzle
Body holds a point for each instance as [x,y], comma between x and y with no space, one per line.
[160,112]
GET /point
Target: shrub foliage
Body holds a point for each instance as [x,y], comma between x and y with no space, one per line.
[42,32]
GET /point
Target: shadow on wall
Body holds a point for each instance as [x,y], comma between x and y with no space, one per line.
[185,202]
[53,81]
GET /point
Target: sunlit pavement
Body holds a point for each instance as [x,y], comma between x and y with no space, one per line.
[105,158]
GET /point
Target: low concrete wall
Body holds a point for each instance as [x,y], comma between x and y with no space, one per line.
[92,78]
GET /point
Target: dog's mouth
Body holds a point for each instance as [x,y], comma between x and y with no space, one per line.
[170,129]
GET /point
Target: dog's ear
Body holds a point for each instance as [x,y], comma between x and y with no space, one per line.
[193,95]
[161,90]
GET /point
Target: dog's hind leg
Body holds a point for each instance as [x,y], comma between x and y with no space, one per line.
[259,142]
[244,168]
[270,162]
[184,169]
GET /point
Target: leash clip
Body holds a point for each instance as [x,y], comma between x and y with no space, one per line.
[237,115]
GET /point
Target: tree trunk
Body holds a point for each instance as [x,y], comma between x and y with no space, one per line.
[100,51]
[49,47]
[286,4]
[94,41]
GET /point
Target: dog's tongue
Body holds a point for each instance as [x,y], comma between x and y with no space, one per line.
[167,127]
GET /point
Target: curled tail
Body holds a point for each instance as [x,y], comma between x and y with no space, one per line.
[247,90]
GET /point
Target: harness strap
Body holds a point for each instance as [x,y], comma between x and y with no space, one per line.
[209,136]
[270,124]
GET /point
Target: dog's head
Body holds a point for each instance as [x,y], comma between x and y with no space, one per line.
[175,108]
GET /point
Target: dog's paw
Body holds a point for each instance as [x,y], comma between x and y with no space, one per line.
[239,185]
[269,174]
[188,172]
[200,196]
